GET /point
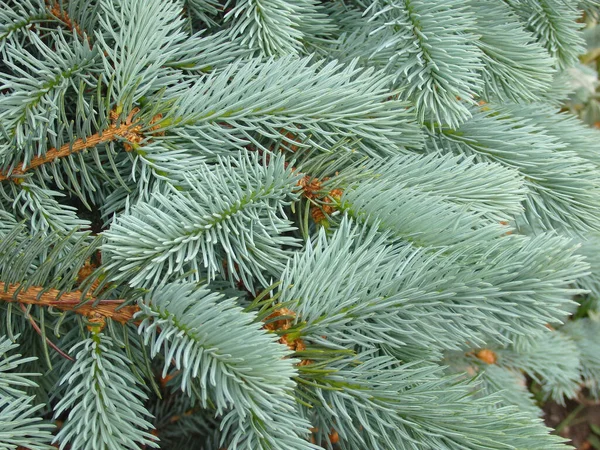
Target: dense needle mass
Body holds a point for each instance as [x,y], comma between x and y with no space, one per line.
[294,225]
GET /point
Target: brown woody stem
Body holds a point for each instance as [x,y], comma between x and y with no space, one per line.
[69,301]
[113,132]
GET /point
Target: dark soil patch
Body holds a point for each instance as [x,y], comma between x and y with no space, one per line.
[577,421]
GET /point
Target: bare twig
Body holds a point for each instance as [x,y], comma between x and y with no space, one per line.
[69,301]
[36,327]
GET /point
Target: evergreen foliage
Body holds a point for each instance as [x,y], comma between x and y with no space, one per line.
[103,399]
[21,424]
[296,225]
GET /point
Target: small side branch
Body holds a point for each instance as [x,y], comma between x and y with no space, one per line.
[127,130]
[69,301]
[38,330]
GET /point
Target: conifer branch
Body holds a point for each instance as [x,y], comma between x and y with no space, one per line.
[128,130]
[22,24]
[68,301]
[103,398]
[68,149]
[312,222]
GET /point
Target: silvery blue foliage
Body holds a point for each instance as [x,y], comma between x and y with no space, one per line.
[306,219]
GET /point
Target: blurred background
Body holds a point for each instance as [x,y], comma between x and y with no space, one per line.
[579,420]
